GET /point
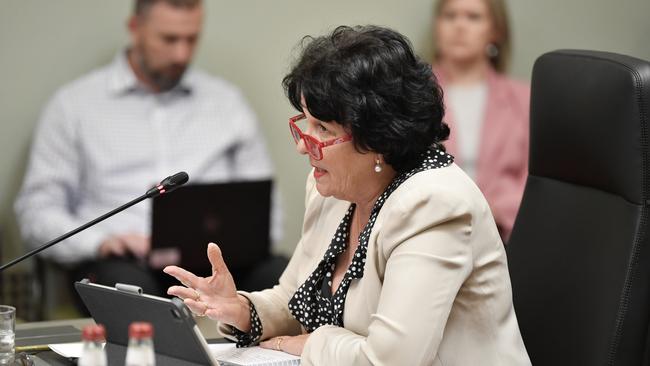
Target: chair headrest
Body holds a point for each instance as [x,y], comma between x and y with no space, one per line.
[589,121]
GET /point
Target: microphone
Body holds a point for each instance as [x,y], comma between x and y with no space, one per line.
[167,185]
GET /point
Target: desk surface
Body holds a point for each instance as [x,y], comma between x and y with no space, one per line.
[207,326]
[77,323]
[69,331]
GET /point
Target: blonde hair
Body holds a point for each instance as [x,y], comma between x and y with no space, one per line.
[498,13]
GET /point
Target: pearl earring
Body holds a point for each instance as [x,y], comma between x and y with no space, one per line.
[378,167]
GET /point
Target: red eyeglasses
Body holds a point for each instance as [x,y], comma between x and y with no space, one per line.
[313,146]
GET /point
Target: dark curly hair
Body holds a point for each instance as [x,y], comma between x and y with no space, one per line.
[368,79]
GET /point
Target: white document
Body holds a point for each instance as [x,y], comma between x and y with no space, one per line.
[226,353]
[68,350]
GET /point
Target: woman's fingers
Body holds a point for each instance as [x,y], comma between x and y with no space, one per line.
[216,259]
[269,343]
[184,292]
[214,314]
[202,308]
[187,278]
[289,344]
[197,307]
[214,296]
[224,311]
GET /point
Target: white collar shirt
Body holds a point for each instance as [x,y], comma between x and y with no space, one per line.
[104,139]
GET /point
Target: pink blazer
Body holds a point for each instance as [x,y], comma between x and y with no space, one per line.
[502,166]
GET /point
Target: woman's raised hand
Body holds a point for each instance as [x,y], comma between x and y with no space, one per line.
[215,296]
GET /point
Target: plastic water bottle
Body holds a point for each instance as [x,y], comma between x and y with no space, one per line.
[93,353]
[140,351]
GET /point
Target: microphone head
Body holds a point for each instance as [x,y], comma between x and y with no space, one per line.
[168,184]
[176,180]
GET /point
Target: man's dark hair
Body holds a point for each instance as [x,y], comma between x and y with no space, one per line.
[142,6]
[369,80]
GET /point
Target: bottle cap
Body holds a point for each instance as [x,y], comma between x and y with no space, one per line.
[93,333]
[139,330]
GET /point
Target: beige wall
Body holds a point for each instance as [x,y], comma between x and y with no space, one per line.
[44,44]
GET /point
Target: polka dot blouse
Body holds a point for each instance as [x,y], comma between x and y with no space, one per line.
[313,304]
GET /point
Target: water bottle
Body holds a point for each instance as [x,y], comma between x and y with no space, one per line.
[93,353]
[140,351]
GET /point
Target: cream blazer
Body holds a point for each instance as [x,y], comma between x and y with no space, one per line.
[435,289]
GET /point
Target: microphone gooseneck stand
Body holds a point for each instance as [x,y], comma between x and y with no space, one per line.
[166,186]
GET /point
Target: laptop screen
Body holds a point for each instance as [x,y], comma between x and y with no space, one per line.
[235,216]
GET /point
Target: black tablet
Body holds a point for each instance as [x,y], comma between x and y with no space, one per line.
[176,335]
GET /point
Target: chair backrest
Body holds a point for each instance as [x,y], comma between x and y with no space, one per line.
[579,253]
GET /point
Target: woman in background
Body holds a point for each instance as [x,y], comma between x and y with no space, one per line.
[486,111]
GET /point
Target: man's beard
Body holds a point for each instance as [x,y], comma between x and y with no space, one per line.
[161,80]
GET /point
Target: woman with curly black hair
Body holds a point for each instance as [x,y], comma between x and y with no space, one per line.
[400,261]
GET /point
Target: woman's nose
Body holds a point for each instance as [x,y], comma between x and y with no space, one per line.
[301,148]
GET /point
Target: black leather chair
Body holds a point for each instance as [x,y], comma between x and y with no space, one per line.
[579,254]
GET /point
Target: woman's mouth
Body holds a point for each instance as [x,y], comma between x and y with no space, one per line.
[318,172]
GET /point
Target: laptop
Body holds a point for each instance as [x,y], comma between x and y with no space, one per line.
[235,216]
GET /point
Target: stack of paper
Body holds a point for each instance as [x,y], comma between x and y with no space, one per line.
[226,353]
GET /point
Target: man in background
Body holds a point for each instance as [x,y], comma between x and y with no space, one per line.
[107,137]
